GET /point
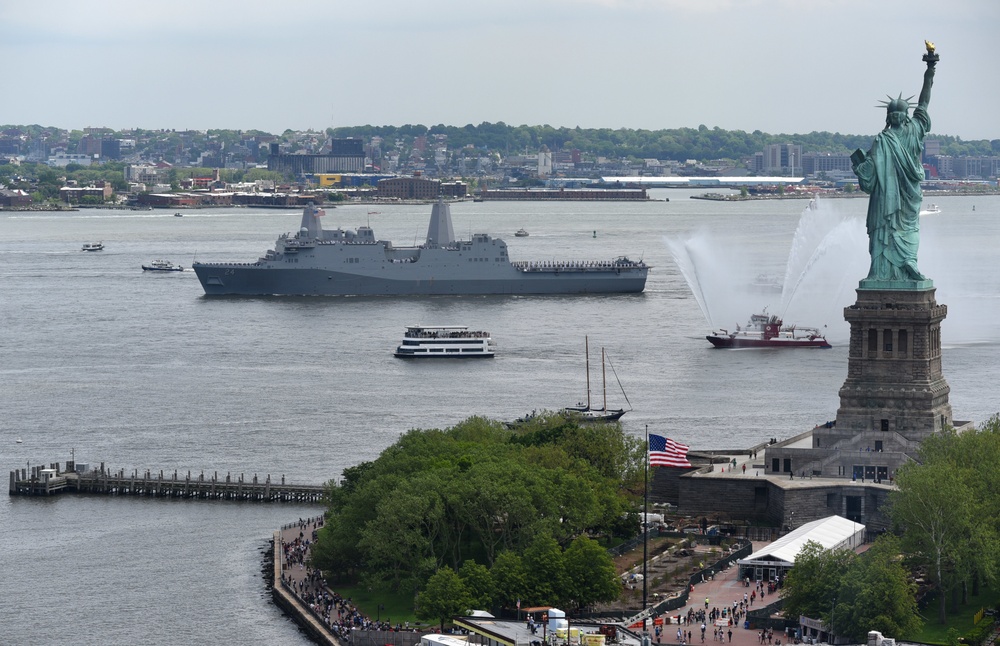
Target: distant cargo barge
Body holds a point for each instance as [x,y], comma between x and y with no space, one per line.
[565,194]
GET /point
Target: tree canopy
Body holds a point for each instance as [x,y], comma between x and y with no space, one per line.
[876,593]
[510,510]
[853,594]
[947,509]
[678,144]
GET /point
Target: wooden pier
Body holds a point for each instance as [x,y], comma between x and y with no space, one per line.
[47,481]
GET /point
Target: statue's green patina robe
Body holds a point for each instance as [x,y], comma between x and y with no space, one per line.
[891,173]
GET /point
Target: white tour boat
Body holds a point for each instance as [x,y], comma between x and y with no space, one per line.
[93,246]
[444,342]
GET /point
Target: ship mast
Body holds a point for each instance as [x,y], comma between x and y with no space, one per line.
[604,381]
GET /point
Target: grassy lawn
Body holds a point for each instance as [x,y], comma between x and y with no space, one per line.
[396,608]
[937,633]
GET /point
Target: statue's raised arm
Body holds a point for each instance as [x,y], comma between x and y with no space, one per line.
[931,58]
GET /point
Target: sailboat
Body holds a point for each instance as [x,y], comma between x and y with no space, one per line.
[587,413]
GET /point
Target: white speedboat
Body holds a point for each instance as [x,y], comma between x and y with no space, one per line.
[162,265]
[93,246]
[444,342]
[930,209]
[521,233]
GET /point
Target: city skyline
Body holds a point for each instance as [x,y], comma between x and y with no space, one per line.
[779,66]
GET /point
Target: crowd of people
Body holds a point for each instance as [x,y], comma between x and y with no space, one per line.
[340,615]
[717,622]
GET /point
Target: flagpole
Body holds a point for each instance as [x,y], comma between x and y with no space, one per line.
[645,525]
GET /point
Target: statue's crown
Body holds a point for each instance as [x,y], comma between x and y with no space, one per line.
[898,104]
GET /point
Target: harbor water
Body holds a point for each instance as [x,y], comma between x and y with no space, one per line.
[103,362]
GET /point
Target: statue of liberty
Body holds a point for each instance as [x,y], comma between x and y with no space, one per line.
[891,173]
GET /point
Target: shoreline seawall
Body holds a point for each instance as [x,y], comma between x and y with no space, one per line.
[288,601]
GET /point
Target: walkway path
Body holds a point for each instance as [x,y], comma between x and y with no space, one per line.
[721,591]
[328,607]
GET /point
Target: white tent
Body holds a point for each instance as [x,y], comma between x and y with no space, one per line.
[833,532]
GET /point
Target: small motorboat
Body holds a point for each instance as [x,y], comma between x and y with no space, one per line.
[521,233]
[162,265]
[930,209]
[93,246]
[178,215]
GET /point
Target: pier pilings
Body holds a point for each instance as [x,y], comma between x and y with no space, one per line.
[46,481]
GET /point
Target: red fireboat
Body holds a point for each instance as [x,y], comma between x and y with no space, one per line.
[768,331]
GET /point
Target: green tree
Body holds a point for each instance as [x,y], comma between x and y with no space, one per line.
[479,584]
[546,573]
[444,597]
[876,593]
[416,515]
[812,585]
[933,508]
[510,577]
[590,575]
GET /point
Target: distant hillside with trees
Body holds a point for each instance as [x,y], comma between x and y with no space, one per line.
[702,144]
[677,144]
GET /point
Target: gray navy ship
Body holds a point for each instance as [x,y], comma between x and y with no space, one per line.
[314,262]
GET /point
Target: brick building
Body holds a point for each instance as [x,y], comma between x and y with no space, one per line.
[410,188]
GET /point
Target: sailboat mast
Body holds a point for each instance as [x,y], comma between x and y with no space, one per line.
[604,381]
[586,345]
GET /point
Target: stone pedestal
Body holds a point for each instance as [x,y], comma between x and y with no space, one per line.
[894,382]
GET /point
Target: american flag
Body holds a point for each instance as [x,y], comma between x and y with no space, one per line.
[664,452]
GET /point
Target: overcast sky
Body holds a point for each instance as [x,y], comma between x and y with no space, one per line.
[780,66]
